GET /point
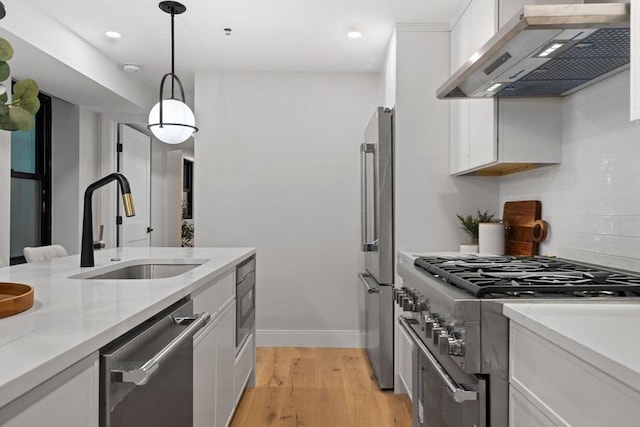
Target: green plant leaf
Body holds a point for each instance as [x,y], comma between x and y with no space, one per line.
[22,118]
[5,121]
[5,71]
[4,98]
[31,104]
[25,89]
[6,50]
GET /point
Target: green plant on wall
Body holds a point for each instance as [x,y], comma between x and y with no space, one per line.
[19,113]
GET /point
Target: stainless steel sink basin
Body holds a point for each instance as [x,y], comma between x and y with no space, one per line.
[140,271]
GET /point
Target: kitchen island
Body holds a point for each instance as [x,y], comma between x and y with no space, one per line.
[72,318]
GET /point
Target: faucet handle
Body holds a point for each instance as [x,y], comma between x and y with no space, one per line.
[100,244]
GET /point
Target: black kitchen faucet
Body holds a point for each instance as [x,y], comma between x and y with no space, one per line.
[86,251]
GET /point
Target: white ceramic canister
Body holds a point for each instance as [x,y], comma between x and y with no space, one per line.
[491,238]
[468,249]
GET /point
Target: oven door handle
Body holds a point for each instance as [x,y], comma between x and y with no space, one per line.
[458,393]
[140,374]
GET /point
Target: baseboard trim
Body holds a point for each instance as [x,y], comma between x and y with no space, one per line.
[312,338]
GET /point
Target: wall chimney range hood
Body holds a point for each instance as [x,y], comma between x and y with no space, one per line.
[547,50]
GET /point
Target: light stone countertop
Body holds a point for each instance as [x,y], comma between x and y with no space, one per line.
[607,336]
[73,318]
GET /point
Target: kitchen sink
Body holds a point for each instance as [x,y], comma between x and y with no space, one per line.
[140,271]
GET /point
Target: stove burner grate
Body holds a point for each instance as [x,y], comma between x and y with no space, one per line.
[531,276]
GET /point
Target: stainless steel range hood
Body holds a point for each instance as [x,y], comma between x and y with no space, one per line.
[547,50]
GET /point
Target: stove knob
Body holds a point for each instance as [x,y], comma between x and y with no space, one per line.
[399,293]
[438,333]
[420,306]
[456,347]
[429,324]
[407,304]
[444,343]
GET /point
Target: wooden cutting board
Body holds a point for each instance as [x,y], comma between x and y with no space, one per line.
[520,220]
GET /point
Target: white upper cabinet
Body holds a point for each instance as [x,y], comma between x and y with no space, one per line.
[472,125]
[496,137]
[635,60]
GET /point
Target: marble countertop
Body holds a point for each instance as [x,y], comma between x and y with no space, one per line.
[606,336]
[73,318]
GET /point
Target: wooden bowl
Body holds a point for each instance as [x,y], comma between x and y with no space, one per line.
[14,298]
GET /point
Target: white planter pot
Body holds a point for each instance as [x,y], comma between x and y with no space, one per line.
[468,249]
[491,238]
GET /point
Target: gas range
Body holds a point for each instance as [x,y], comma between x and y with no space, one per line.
[530,277]
[452,310]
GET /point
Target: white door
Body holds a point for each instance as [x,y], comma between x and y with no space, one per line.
[135,164]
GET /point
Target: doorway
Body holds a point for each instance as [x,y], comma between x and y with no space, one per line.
[134,162]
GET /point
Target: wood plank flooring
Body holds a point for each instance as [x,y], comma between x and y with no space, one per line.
[318,387]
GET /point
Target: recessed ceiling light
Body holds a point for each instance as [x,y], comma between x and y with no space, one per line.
[113,34]
[354,34]
[131,68]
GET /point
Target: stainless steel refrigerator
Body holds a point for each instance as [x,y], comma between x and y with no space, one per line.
[376,191]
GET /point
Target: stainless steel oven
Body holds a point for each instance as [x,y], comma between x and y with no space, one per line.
[146,376]
[452,310]
[245,300]
[443,396]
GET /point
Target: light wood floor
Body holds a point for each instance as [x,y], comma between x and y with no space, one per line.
[318,387]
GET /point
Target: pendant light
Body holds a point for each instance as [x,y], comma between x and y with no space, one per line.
[171,120]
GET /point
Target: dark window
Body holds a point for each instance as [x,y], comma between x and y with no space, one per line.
[187,189]
[31,184]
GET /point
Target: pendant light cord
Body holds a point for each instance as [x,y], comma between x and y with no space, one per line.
[173,59]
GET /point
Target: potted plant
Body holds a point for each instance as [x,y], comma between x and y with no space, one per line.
[19,113]
[470,224]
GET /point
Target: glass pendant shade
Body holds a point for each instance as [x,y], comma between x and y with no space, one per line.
[171,120]
[178,121]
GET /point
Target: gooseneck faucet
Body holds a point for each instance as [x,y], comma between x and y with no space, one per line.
[86,251]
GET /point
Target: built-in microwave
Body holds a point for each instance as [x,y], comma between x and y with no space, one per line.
[245,300]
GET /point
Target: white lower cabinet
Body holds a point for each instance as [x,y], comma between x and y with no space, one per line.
[69,399]
[523,413]
[214,354]
[213,366]
[204,376]
[549,386]
[225,362]
[245,360]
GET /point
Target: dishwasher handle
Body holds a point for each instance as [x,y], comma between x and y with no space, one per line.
[139,374]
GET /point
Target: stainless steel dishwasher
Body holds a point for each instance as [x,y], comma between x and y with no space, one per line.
[146,376]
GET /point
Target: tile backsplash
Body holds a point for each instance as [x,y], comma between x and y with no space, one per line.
[592,199]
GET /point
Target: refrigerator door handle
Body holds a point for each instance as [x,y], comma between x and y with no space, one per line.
[370,290]
[368,244]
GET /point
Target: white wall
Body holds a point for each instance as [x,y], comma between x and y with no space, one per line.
[74,165]
[65,164]
[592,199]
[277,167]
[427,198]
[89,168]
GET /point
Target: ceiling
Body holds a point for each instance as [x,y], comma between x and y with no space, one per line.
[267,35]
